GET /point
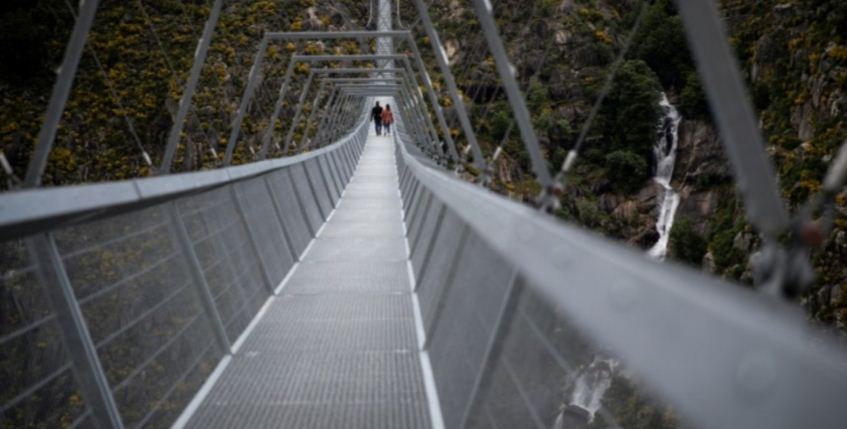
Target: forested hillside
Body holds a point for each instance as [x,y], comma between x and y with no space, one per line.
[131,77]
[793,58]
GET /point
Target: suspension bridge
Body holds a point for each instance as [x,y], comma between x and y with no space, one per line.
[362,283]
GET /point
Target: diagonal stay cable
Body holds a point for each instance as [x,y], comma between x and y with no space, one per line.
[572,155]
[113,93]
[149,22]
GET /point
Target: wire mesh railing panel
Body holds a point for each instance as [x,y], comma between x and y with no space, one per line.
[318,186]
[336,160]
[549,371]
[131,280]
[39,389]
[432,281]
[417,220]
[329,178]
[467,319]
[306,196]
[502,356]
[421,251]
[229,265]
[270,239]
[294,220]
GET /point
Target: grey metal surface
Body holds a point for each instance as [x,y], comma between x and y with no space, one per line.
[290,211]
[36,210]
[693,341]
[78,343]
[338,347]
[741,137]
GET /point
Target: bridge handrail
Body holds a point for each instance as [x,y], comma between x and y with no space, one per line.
[130,293]
[723,355]
[34,210]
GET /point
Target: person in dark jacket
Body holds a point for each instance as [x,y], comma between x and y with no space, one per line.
[387,119]
[376,117]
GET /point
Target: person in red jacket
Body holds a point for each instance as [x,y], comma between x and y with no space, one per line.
[387,119]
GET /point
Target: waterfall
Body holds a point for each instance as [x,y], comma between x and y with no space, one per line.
[664,151]
[592,381]
[591,384]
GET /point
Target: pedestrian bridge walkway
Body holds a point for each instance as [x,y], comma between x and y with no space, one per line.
[337,346]
[347,280]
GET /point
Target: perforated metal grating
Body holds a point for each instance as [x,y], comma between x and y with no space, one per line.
[338,347]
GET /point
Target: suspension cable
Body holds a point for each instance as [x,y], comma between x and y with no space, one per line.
[169,63]
[505,138]
[572,155]
[112,92]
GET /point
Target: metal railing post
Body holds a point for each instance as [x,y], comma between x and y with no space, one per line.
[448,284]
[61,91]
[337,171]
[286,235]
[188,93]
[249,89]
[251,237]
[314,190]
[430,247]
[183,240]
[74,331]
[312,231]
[494,347]
[268,135]
[329,186]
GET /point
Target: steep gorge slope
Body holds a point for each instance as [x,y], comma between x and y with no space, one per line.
[793,56]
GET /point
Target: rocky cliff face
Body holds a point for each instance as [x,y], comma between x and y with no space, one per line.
[794,55]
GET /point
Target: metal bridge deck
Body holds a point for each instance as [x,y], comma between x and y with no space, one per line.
[337,347]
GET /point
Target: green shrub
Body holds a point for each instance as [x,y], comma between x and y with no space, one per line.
[631,109]
[686,244]
[626,170]
[662,45]
[693,102]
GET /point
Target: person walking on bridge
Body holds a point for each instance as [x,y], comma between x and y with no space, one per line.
[376,117]
[387,119]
